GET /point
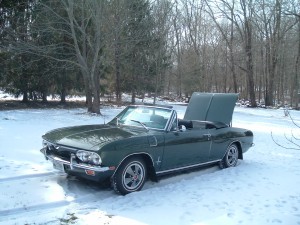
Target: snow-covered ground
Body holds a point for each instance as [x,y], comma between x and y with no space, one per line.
[262,189]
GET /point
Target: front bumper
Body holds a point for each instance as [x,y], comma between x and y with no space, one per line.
[72,163]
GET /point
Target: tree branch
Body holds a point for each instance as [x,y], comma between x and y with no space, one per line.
[285,147]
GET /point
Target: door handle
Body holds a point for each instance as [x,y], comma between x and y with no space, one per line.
[208,136]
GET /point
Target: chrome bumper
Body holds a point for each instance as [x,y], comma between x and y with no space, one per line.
[72,163]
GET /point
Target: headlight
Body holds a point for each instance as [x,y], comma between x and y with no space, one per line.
[96,159]
[44,143]
[89,157]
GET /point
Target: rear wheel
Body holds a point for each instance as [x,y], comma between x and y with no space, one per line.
[231,157]
[130,176]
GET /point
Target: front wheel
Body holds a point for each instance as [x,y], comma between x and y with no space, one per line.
[130,176]
[231,157]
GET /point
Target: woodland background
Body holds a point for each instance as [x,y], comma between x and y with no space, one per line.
[160,47]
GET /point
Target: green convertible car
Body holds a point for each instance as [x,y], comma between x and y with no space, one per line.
[147,141]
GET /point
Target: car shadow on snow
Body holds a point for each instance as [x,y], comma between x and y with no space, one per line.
[181,175]
[77,186]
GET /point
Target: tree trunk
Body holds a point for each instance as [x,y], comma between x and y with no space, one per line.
[249,63]
[117,70]
[25,96]
[117,52]
[273,40]
[178,41]
[96,94]
[271,64]
[44,97]
[88,93]
[96,105]
[232,66]
[133,97]
[297,71]
[63,95]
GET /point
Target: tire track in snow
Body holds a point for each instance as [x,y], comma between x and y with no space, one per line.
[27,176]
[85,199]
[31,208]
[69,191]
[98,194]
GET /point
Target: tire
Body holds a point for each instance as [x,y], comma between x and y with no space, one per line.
[130,176]
[231,157]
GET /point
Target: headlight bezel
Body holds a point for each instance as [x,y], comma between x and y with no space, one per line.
[89,157]
[44,143]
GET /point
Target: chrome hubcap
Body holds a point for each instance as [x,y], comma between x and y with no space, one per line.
[232,156]
[133,176]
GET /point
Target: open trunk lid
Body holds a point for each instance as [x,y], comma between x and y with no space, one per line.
[216,107]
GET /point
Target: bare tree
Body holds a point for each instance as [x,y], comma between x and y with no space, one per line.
[177,28]
[246,46]
[160,56]
[85,19]
[271,21]
[295,89]
[241,16]
[297,68]
[293,141]
[245,30]
[229,39]
[118,19]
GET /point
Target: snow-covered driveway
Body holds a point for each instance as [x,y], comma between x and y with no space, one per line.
[262,189]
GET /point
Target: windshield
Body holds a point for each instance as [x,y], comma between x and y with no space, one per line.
[148,117]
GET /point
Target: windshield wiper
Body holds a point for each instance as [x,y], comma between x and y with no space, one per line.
[141,124]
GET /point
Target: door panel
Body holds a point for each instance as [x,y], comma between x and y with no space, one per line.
[186,148]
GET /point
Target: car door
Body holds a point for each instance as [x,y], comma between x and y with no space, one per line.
[186,148]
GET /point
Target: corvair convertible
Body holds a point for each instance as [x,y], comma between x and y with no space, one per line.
[147,141]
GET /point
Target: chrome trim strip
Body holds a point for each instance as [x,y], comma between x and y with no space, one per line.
[57,146]
[72,163]
[187,167]
[67,148]
[171,120]
[138,153]
[150,128]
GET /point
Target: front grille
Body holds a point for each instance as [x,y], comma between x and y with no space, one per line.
[59,151]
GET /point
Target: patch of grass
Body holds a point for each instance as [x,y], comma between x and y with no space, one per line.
[71,218]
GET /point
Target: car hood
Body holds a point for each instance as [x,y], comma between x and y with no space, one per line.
[211,107]
[88,137]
